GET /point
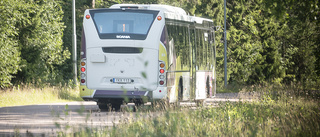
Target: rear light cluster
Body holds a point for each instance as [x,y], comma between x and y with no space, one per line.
[162,74]
[83,71]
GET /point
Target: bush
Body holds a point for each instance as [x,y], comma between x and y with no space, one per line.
[31,41]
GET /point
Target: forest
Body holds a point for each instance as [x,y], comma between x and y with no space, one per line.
[268,41]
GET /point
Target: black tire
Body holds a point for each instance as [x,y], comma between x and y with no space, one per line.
[138,102]
[137,105]
[208,87]
[180,91]
[104,106]
[110,105]
[116,106]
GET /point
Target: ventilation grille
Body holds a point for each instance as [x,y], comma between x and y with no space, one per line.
[124,50]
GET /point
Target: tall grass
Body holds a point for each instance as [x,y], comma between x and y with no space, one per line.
[31,94]
[278,112]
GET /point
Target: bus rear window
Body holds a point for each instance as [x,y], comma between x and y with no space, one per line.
[123,24]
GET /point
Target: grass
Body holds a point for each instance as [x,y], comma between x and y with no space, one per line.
[278,112]
[29,95]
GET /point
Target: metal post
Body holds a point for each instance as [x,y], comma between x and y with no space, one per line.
[74,43]
[225,44]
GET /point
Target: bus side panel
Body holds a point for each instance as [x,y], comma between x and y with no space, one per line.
[186,86]
[203,85]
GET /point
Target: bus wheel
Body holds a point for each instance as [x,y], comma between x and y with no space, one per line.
[109,105]
[104,106]
[180,91]
[116,106]
[208,87]
[138,104]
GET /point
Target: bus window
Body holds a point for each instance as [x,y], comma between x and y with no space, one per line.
[118,24]
[180,35]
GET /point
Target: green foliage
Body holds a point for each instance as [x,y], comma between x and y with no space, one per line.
[32,39]
[81,6]
[9,50]
[268,41]
[66,6]
[302,18]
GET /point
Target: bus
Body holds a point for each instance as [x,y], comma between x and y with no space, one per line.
[135,53]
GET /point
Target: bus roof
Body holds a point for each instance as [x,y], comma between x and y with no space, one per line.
[171,12]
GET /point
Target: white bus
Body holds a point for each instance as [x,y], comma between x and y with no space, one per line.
[140,53]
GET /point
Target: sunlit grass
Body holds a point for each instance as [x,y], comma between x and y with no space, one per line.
[278,112]
[232,119]
[28,95]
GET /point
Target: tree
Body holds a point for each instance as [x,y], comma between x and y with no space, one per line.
[9,51]
[302,36]
[32,41]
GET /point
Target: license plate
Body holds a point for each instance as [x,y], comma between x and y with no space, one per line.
[121,80]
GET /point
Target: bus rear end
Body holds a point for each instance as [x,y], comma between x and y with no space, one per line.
[119,57]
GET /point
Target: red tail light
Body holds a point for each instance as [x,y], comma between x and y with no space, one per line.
[82,80]
[88,16]
[83,69]
[161,71]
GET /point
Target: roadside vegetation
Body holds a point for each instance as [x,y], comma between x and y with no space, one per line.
[277,112]
[30,95]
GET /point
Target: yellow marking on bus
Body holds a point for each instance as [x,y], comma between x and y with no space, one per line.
[163,54]
[84,91]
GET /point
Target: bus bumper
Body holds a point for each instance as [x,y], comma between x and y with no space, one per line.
[85,93]
[94,95]
[159,93]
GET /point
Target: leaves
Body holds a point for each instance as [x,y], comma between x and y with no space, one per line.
[31,40]
[268,41]
[144,75]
